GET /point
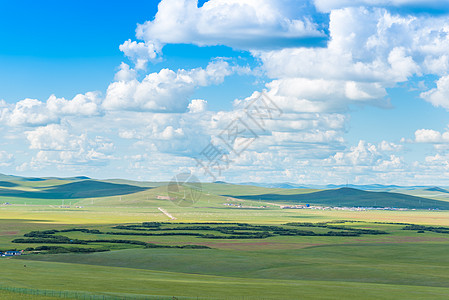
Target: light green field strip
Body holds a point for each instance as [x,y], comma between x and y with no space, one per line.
[122,214]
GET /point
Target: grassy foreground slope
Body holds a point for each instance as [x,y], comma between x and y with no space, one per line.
[135,282]
[395,264]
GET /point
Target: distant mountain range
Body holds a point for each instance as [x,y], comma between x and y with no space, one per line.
[373,187]
[284,185]
[276,185]
[364,187]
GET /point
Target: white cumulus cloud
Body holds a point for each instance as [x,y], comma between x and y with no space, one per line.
[197,106]
[439,96]
[241,24]
[165,91]
[431,136]
[32,112]
[57,145]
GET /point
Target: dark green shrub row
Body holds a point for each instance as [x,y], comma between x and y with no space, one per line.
[44,233]
[243,229]
[178,247]
[358,231]
[229,231]
[92,231]
[49,240]
[340,233]
[119,242]
[296,233]
[262,235]
[426,228]
[151,224]
[391,223]
[58,249]
[152,234]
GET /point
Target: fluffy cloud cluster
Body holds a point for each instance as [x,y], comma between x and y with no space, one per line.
[439,96]
[165,91]
[150,120]
[431,136]
[369,50]
[197,106]
[56,145]
[248,24]
[32,112]
[140,52]
[366,154]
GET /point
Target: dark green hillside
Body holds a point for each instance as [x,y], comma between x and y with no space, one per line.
[8,184]
[76,178]
[354,198]
[75,190]
[437,189]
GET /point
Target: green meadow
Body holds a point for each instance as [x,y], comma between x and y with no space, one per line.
[109,240]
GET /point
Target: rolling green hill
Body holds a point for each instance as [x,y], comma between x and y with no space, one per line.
[8,184]
[354,198]
[75,190]
[437,189]
[12,187]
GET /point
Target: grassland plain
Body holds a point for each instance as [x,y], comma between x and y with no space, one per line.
[402,264]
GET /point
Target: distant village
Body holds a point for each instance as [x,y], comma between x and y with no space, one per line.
[54,206]
[307,206]
[10,253]
[316,207]
[238,205]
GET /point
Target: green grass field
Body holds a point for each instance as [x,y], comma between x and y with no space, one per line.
[402,264]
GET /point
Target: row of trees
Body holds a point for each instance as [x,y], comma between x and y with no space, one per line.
[59,249]
[202,230]
[49,237]
[243,230]
[426,228]
[344,230]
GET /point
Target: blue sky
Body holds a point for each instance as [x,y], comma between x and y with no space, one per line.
[139,89]
[64,48]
